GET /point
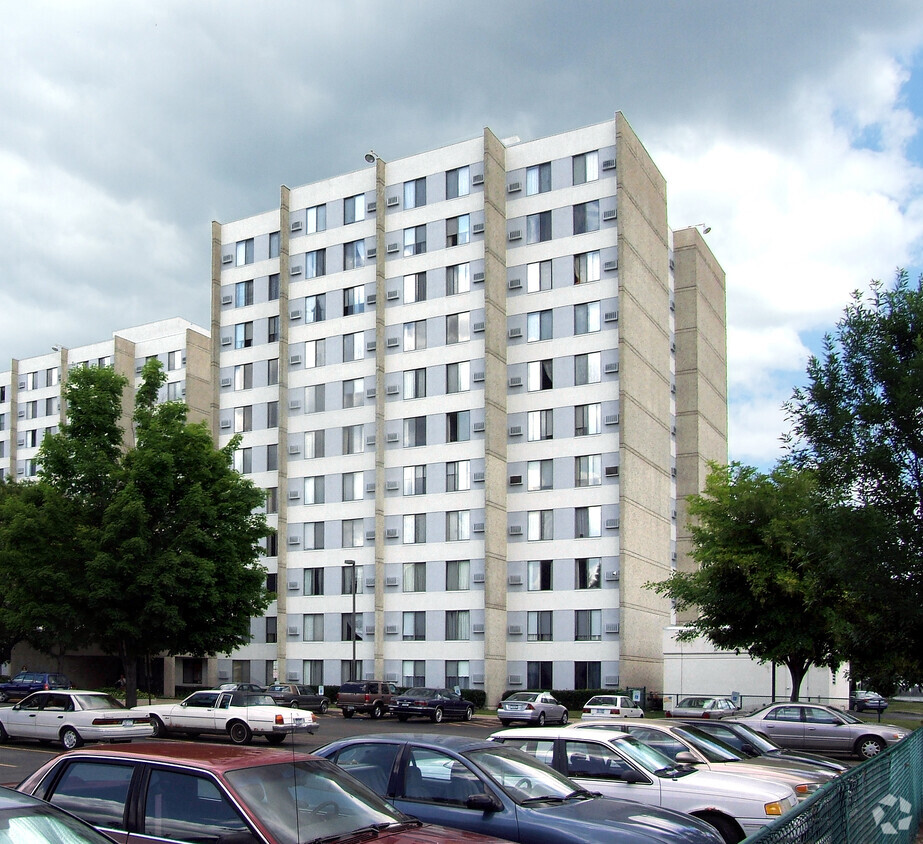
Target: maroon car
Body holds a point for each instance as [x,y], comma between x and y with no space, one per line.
[191,792]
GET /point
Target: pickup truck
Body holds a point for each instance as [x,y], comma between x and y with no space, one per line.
[372,697]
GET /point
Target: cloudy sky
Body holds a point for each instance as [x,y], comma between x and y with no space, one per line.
[793,129]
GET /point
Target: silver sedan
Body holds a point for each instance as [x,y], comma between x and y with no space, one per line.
[532,708]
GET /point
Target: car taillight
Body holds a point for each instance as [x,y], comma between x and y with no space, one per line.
[529,706]
[586,709]
[706,714]
[46,687]
[280,719]
[419,703]
[368,698]
[668,714]
[615,711]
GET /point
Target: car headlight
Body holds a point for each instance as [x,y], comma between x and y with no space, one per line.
[807,788]
[774,809]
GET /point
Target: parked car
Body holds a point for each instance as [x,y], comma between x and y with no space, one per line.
[484,787]
[249,795]
[72,717]
[751,743]
[298,697]
[27,819]
[703,707]
[370,697]
[532,708]
[239,715]
[618,765]
[26,682]
[812,726]
[688,745]
[434,704]
[241,687]
[610,706]
[861,701]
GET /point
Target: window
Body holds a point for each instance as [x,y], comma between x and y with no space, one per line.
[243,294]
[31,438]
[415,193]
[586,318]
[314,536]
[274,241]
[354,300]
[540,525]
[414,383]
[175,392]
[457,575]
[586,167]
[457,674]
[587,675]
[415,335]
[414,672]
[414,528]
[272,371]
[313,627]
[312,671]
[457,183]
[539,675]
[587,419]
[587,522]
[586,267]
[243,335]
[458,328]
[587,368]
[539,575]
[538,227]
[315,264]
[458,475]
[316,219]
[315,353]
[314,581]
[586,217]
[539,375]
[174,362]
[539,326]
[272,293]
[539,474]
[539,626]
[353,486]
[272,634]
[315,308]
[353,533]
[458,426]
[458,377]
[353,443]
[349,582]
[414,577]
[315,398]
[243,418]
[414,626]
[414,480]
[457,525]
[349,624]
[538,179]
[51,374]
[354,209]
[586,573]
[588,625]
[353,346]
[272,500]
[314,444]
[414,431]
[272,550]
[457,230]
[457,279]
[353,254]
[457,625]
[272,329]
[414,240]
[353,392]
[587,470]
[272,457]
[244,252]
[414,288]
[243,376]
[540,425]
[243,460]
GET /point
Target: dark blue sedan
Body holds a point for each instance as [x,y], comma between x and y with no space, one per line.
[434,704]
[488,788]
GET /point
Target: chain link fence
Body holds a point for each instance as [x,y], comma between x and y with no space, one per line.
[878,802]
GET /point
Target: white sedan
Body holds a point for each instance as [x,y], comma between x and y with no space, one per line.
[239,715]
[604,707]
[617,765]
[72,717]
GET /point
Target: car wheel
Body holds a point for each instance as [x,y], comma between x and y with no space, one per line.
[3,697]
[727,828]
[565,717]
[275,738]
[160,730]
[347,713]
[240,733]
[324,706]
[294,704]
[4,735]
[436,717]
[402,718]
[541,719]
[868,747]
[70,738]
[469,713]
[377,711]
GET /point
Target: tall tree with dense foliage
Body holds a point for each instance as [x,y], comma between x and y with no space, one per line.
[763,584]
[858,424]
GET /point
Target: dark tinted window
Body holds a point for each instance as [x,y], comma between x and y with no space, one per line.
[95,791]
[186,807]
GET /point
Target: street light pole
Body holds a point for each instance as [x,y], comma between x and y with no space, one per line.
[352,669]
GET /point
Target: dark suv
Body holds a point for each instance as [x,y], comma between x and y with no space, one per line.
[26,682]
[372,697]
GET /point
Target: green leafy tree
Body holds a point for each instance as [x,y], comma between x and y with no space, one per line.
[763,584]
[858,424]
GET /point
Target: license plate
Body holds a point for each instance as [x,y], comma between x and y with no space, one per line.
[128,723]
[403,703]
[298,721]
[597,711]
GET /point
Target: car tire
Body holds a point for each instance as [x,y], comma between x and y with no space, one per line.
[377,712]
[324,706]
[436,717]
[541,719]
[160,729]
[469,713]
[240,733]
[294,705]
[402,718]
[728,829]
[4,735]
[868,747]
[348,713]
[275,738]
[70,738]
[565,717]
[3,697]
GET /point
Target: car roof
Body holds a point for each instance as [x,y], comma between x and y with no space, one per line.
[562,732]
[456,743]
[10,799]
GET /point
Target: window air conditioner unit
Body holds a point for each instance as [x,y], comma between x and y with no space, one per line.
[393,342]
[226,341]
[478,527]
[370,536]
[477,228]
[371,298]
[514,284]
[297,225]
[515,234]
[611,680]
[514,680]
[393,201]
[223,674]
[225,382]
[391,629]
[610,266]
[672,305]
[370,439]
[392,248]
[391,533]
[294,404]
[293,584]
[227,259]
[371,252]
[227,300]
[477,577]
[515,381]
[612,524]
[21,441]
[609,214]
[477,628]
[515,430]
[478,477]
[478,427]
[612,419]
[294,540]
[477,179]
[477,278]
[393,294]
[612,576]
[392,389]
[477,377]
[609,164]
[612,368]
[294,449]
[612,627]
[392,486]
[515,530]
[370,393]
[393,437]
[292,630]
[612,471]
[514,187]
[514,630]
[295,360]
[370,207]
[293,494]
[293,675]
[515,480]
[370,345]
[391,581]
[296,314]
[612,316]
[225,423]
[370,583]
[370,487]
[477,327]
[296,270]
[513,333]
[514,580]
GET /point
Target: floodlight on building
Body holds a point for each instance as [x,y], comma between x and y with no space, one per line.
[371,156]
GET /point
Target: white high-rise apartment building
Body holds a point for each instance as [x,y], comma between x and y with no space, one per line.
[475,382]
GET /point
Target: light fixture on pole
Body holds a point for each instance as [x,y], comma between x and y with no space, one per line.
[352,565]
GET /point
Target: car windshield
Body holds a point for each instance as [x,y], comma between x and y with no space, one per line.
[602,700]
[522,777]
[760,742]
[419,692]
[97,702]
[714,750]
[649,758]
[530,696]
[307,800]
[39,824]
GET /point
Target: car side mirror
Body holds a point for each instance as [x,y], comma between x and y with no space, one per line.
[483,802]
[684,757]
[632,776]
[17,707]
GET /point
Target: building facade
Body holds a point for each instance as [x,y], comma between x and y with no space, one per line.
[475,383]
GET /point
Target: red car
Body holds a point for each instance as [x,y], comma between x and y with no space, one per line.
[191,792]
